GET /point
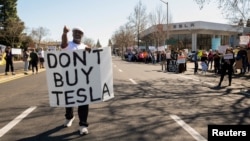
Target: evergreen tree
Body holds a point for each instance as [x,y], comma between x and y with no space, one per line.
[7,10]
[11,27]
[110,43]
[98,44]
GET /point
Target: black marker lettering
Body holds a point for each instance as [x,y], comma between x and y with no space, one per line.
[81,95]
[67,58]
[87,74]
[57,96]
[91,95]
[67,97]
[81,59]
[98,55]
[67,78]
[58,79]
[49,55]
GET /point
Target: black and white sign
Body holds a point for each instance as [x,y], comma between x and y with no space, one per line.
[78,77]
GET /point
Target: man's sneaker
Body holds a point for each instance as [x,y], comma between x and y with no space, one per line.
[83,130]
[68,122]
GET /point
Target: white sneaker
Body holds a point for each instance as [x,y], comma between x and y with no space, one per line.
[83,130]
[68,122]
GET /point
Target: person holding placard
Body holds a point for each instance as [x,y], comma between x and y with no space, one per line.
[9,61]
[227,66]
[83,110]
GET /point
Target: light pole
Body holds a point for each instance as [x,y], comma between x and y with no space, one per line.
[167,8]
[167,18]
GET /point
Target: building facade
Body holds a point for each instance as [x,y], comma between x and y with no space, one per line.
[196,35]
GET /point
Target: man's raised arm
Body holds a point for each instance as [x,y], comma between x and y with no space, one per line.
[64,43]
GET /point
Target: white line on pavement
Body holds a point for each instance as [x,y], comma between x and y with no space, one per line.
[133,81]
[211,84]
[11,124]
[189,129]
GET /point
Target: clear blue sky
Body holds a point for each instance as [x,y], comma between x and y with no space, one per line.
[101,18]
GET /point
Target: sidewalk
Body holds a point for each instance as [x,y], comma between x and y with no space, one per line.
[18,74]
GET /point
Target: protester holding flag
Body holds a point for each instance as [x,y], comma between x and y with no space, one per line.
[83,110]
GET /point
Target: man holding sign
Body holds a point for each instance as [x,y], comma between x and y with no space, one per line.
[227,66]
[83,110]
[78,76]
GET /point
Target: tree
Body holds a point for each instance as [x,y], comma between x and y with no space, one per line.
[7,10]
[110,43]
[232,10]
[124,37]
[89,42]
[11,27]
[12,34]
[98,45]
[38,33]
[138,20]
[27,41]
[157,19]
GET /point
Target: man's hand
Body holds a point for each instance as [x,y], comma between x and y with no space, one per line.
[88,49]
[65,30]
[64,37]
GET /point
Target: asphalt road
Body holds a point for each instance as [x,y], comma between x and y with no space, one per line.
[149,105]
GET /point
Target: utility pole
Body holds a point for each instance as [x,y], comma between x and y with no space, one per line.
[167,18]
[167,8]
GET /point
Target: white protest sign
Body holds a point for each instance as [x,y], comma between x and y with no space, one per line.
[161,48]
[228,56]
[51,48]
[244,40]
[78,78]
[222,49]
[181,60]
[152,48]
[16,51]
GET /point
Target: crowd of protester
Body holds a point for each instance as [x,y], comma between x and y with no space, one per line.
[168,59]
[211,60]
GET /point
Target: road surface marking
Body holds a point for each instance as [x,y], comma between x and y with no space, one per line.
[11,124]
[133,81]
[211,84]
[189,129]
